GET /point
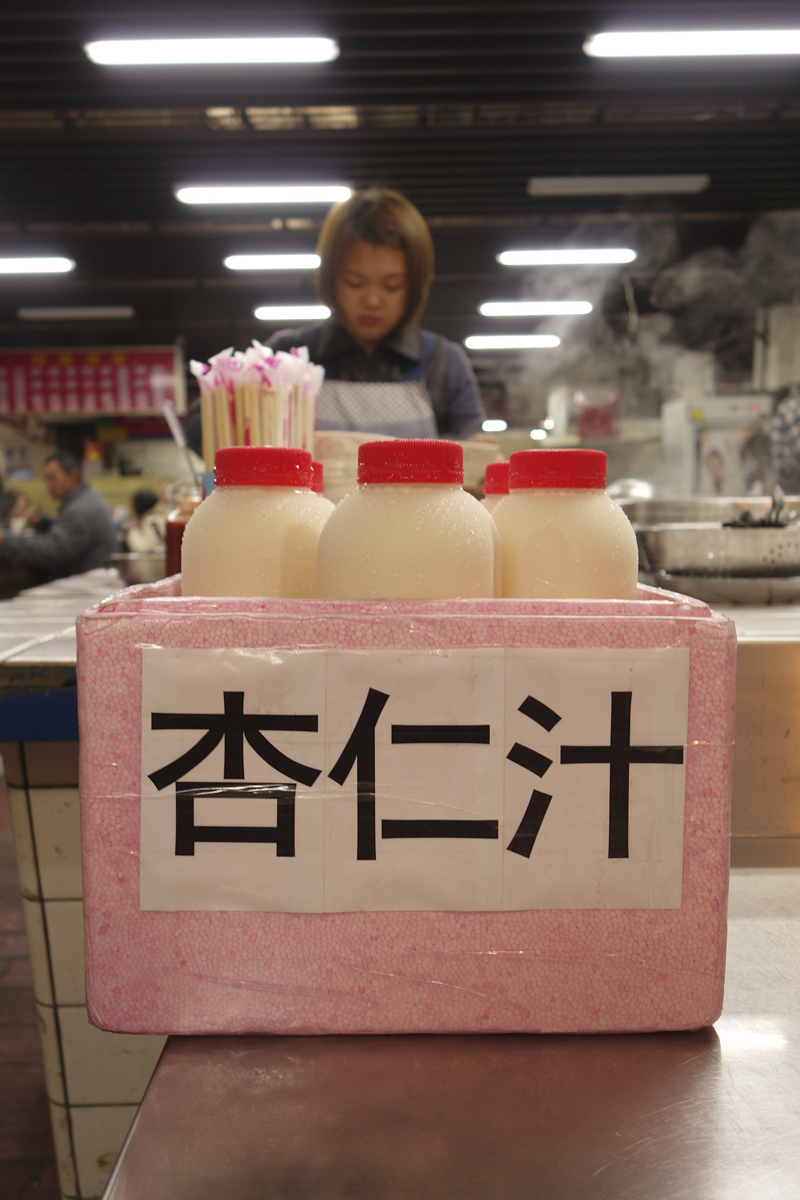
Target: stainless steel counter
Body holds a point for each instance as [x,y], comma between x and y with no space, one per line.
[712,1115]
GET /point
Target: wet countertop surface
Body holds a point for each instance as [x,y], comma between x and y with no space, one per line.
[38,626]
[710,1115]
[765,622]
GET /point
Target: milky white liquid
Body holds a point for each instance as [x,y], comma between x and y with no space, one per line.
[253,541]
[567,543]
[491,501]
[407,541]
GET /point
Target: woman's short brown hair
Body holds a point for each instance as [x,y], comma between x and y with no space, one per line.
[380,217]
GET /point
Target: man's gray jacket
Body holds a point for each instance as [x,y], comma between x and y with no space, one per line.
[81,538]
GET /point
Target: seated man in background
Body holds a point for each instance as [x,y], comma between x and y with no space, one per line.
[80,538]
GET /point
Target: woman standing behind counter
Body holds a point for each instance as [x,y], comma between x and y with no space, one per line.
[383,373]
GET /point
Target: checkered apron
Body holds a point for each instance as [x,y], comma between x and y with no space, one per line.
[394,409]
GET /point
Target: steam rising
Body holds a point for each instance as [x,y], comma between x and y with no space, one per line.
[702,305]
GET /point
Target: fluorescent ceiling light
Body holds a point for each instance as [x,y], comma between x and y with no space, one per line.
[258,194]
[293,312]
[564,258]
[693,43]
[35,266]
[272,262]
[616,185]
[108,312]
[512,341]
[494,426]
[535,308]
[538,435]
[172,51]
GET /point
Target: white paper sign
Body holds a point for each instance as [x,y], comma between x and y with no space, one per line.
[468,780]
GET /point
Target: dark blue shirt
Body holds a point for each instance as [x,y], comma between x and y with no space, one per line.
[449,378]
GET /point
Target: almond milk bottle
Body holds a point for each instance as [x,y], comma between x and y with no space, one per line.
[409,531]
[561,535]
[495,485]
[318,486]
[257,533]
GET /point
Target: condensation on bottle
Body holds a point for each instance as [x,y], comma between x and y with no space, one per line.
[495,485]
[409,531]
[257,533]
[562,536]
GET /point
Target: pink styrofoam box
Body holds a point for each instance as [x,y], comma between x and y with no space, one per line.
[576,970]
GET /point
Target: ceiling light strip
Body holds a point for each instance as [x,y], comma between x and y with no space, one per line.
[693,43]
[261,193]
[616,185]
[565,258]
[35,266]
[109,312]
[272,262]
[292,312]
[535,308]
[150,52]
[512,341]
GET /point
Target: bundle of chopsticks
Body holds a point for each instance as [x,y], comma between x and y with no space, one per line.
[257,398]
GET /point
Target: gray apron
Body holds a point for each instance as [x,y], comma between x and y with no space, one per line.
[394,409]
[401,409]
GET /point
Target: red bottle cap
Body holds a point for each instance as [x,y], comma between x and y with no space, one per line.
[557,469]
[496,481]
[262,466]
[411,460]
[317,485]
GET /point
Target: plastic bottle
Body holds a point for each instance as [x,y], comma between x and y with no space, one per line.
[188,497]
[318,484]
[318,479]
[257,533]
[495,485]
[409,531]
[562,536]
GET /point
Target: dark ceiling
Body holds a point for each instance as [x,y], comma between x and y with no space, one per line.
[454,103]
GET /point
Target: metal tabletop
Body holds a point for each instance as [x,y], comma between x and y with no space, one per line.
[711,1115]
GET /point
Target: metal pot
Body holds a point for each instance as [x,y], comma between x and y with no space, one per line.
[705,548]
[147,566]
[700,508]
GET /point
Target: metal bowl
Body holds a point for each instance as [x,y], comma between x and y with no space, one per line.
[700,508]
[705,548]
[727,590]
[147,566]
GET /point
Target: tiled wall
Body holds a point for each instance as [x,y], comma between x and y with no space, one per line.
[95,1080]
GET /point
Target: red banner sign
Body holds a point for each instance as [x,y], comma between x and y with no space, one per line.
[135,379]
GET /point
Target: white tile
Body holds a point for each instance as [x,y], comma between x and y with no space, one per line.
[23,842]
[105,1068]
[65,1161]
[65,935]
[57,833]
[98,1134]
[37,948]
[51,1053]
[22,627]
[54,650]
